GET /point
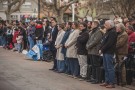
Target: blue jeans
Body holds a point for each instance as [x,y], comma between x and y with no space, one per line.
[19,47]
[67,66]
[60,65]
[39,41]
[4,41]
[74,66]
[1,42]
[108,63]
[31,42]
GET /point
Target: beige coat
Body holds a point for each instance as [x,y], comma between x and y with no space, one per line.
[122,44]
[59,55]
[71,43]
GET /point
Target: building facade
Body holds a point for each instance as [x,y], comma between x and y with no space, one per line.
[28,10]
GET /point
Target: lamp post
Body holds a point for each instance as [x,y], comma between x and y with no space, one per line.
[38,9]
[73,12]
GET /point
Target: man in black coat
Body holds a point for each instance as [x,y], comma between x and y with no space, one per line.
[108,47]
[81,50]
[52,40]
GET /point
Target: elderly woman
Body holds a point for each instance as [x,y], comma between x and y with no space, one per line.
[59,54]
[71,53]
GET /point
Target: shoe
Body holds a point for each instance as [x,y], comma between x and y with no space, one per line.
[104,84]
[55,70]
[94,82]
[82,79]
[70,75]
[52,69]
[91,80]
[122,84]
[110,86]
[75,77]
[60,72]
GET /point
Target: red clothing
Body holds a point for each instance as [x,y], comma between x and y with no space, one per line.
[39,26]
[131,38]
[16,33]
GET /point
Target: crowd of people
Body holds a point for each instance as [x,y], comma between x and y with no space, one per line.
[99,51]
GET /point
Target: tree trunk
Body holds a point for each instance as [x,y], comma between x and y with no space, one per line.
[60,14]
[8,16]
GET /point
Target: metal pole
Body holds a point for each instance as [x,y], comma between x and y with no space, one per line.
[38,9]
[73,12]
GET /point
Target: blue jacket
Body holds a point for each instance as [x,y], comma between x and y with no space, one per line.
[65,37]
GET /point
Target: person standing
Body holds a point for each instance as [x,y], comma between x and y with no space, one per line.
[121,52]
[39,32]
[19,42]
[3,31]
[81,49]
[93,45]
[31,34]
[52,40]
[130,65]
[63,50]
[59,55]
[71,53]
[108,47]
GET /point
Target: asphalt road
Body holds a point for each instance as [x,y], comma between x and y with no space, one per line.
[18,73]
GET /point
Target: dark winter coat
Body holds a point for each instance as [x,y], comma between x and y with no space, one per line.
[108,43]
[81,42]
[93,44]
[54,33]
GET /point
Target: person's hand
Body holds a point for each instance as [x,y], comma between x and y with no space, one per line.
[100,52]
[36,37]
[56,47]
[66,46]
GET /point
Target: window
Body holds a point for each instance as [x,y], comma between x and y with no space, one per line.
[14,17]
[26,5]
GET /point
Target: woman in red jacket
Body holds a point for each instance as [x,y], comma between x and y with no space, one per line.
[131,37]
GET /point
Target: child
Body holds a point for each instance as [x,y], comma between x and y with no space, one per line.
[19,42]
[15,35]
[9,37]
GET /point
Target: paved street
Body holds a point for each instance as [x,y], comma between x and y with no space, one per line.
[17,73]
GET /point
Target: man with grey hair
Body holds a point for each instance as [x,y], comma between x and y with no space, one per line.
[121,52]
[108,46]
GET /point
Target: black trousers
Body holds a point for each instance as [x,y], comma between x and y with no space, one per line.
[95,62]
[53,51]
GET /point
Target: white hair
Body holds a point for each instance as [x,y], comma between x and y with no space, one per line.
[121,26]
[111,23]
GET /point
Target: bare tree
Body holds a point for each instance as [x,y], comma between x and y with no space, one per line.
[12,6]
[93,8]
[123,8]
[58,7]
